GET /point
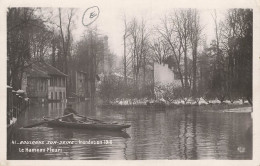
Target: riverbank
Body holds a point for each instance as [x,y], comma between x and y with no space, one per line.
[213,105]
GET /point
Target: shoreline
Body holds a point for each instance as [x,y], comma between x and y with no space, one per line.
[203,107]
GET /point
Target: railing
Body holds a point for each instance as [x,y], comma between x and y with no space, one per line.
[16,103]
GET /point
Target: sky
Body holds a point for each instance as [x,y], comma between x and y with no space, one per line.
[110,22]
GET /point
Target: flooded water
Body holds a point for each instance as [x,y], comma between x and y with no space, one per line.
[180,133]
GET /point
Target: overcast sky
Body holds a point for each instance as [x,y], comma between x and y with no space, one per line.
[110,21]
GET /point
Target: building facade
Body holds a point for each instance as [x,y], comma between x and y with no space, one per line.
[81,84]
[163,75]
[43,82]
[35,84]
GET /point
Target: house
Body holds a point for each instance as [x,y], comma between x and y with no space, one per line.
[56,82]
[35,84]
[44,82]
[81,84]
[163,75]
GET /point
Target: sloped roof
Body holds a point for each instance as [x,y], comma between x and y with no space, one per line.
[36,72]
[43,70]
[50,70]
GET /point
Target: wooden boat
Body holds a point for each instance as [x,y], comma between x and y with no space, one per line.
[87,125]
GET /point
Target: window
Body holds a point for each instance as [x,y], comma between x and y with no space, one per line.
[40,85]
[51,95]
[58,81]
[60,95]
[61,82]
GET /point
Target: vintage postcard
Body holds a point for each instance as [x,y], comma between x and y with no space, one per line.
[152,82]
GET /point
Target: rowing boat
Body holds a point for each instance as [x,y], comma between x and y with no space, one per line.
[86,125]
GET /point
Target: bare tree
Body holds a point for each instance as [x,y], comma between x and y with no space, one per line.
[194,32]
[66,39]
[144,46]
[24,38]
[135,49]
[160,49]
[125,36]
[182,27]
[169,34]
[65,36]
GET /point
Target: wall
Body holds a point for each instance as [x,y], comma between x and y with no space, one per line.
[163,75]
[54,93]
[37,88]
[81,84]
[57,88]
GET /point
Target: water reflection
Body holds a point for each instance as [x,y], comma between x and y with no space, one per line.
[173,134]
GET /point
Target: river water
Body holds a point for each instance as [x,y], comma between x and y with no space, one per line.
[179,133]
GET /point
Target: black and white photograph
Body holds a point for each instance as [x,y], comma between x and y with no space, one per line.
[129,82]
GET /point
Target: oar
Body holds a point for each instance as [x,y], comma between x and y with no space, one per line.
[100,121]
[40,123]
[90,118]
[37,124]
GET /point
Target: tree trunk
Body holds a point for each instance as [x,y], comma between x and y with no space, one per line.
[194,66]
[53,53]
[125,77]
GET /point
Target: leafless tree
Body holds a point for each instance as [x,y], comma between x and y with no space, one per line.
[194,32]
[125,36]
[65,36]
[171,36]
[160,49]
[66,40]
[27,35]
[138,40]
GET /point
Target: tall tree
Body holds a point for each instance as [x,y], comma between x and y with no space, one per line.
[182,25]
[26,36]
[195,32]
[66,40]
[138,40]
[238,35]
[125,36]
[160,50]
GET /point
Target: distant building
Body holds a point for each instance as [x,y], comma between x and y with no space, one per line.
[163,75]
[81,84]
[104,64]
[43,82]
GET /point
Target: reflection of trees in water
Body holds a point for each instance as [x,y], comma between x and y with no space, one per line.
[239,140]
[187,135]
[173,134]
[194,132]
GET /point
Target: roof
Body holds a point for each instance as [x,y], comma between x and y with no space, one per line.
[35,71]
[50,70]
[43,70]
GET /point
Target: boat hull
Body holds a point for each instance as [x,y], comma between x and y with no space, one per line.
[87,126]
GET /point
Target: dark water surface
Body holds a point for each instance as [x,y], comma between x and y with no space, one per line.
[183,133]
